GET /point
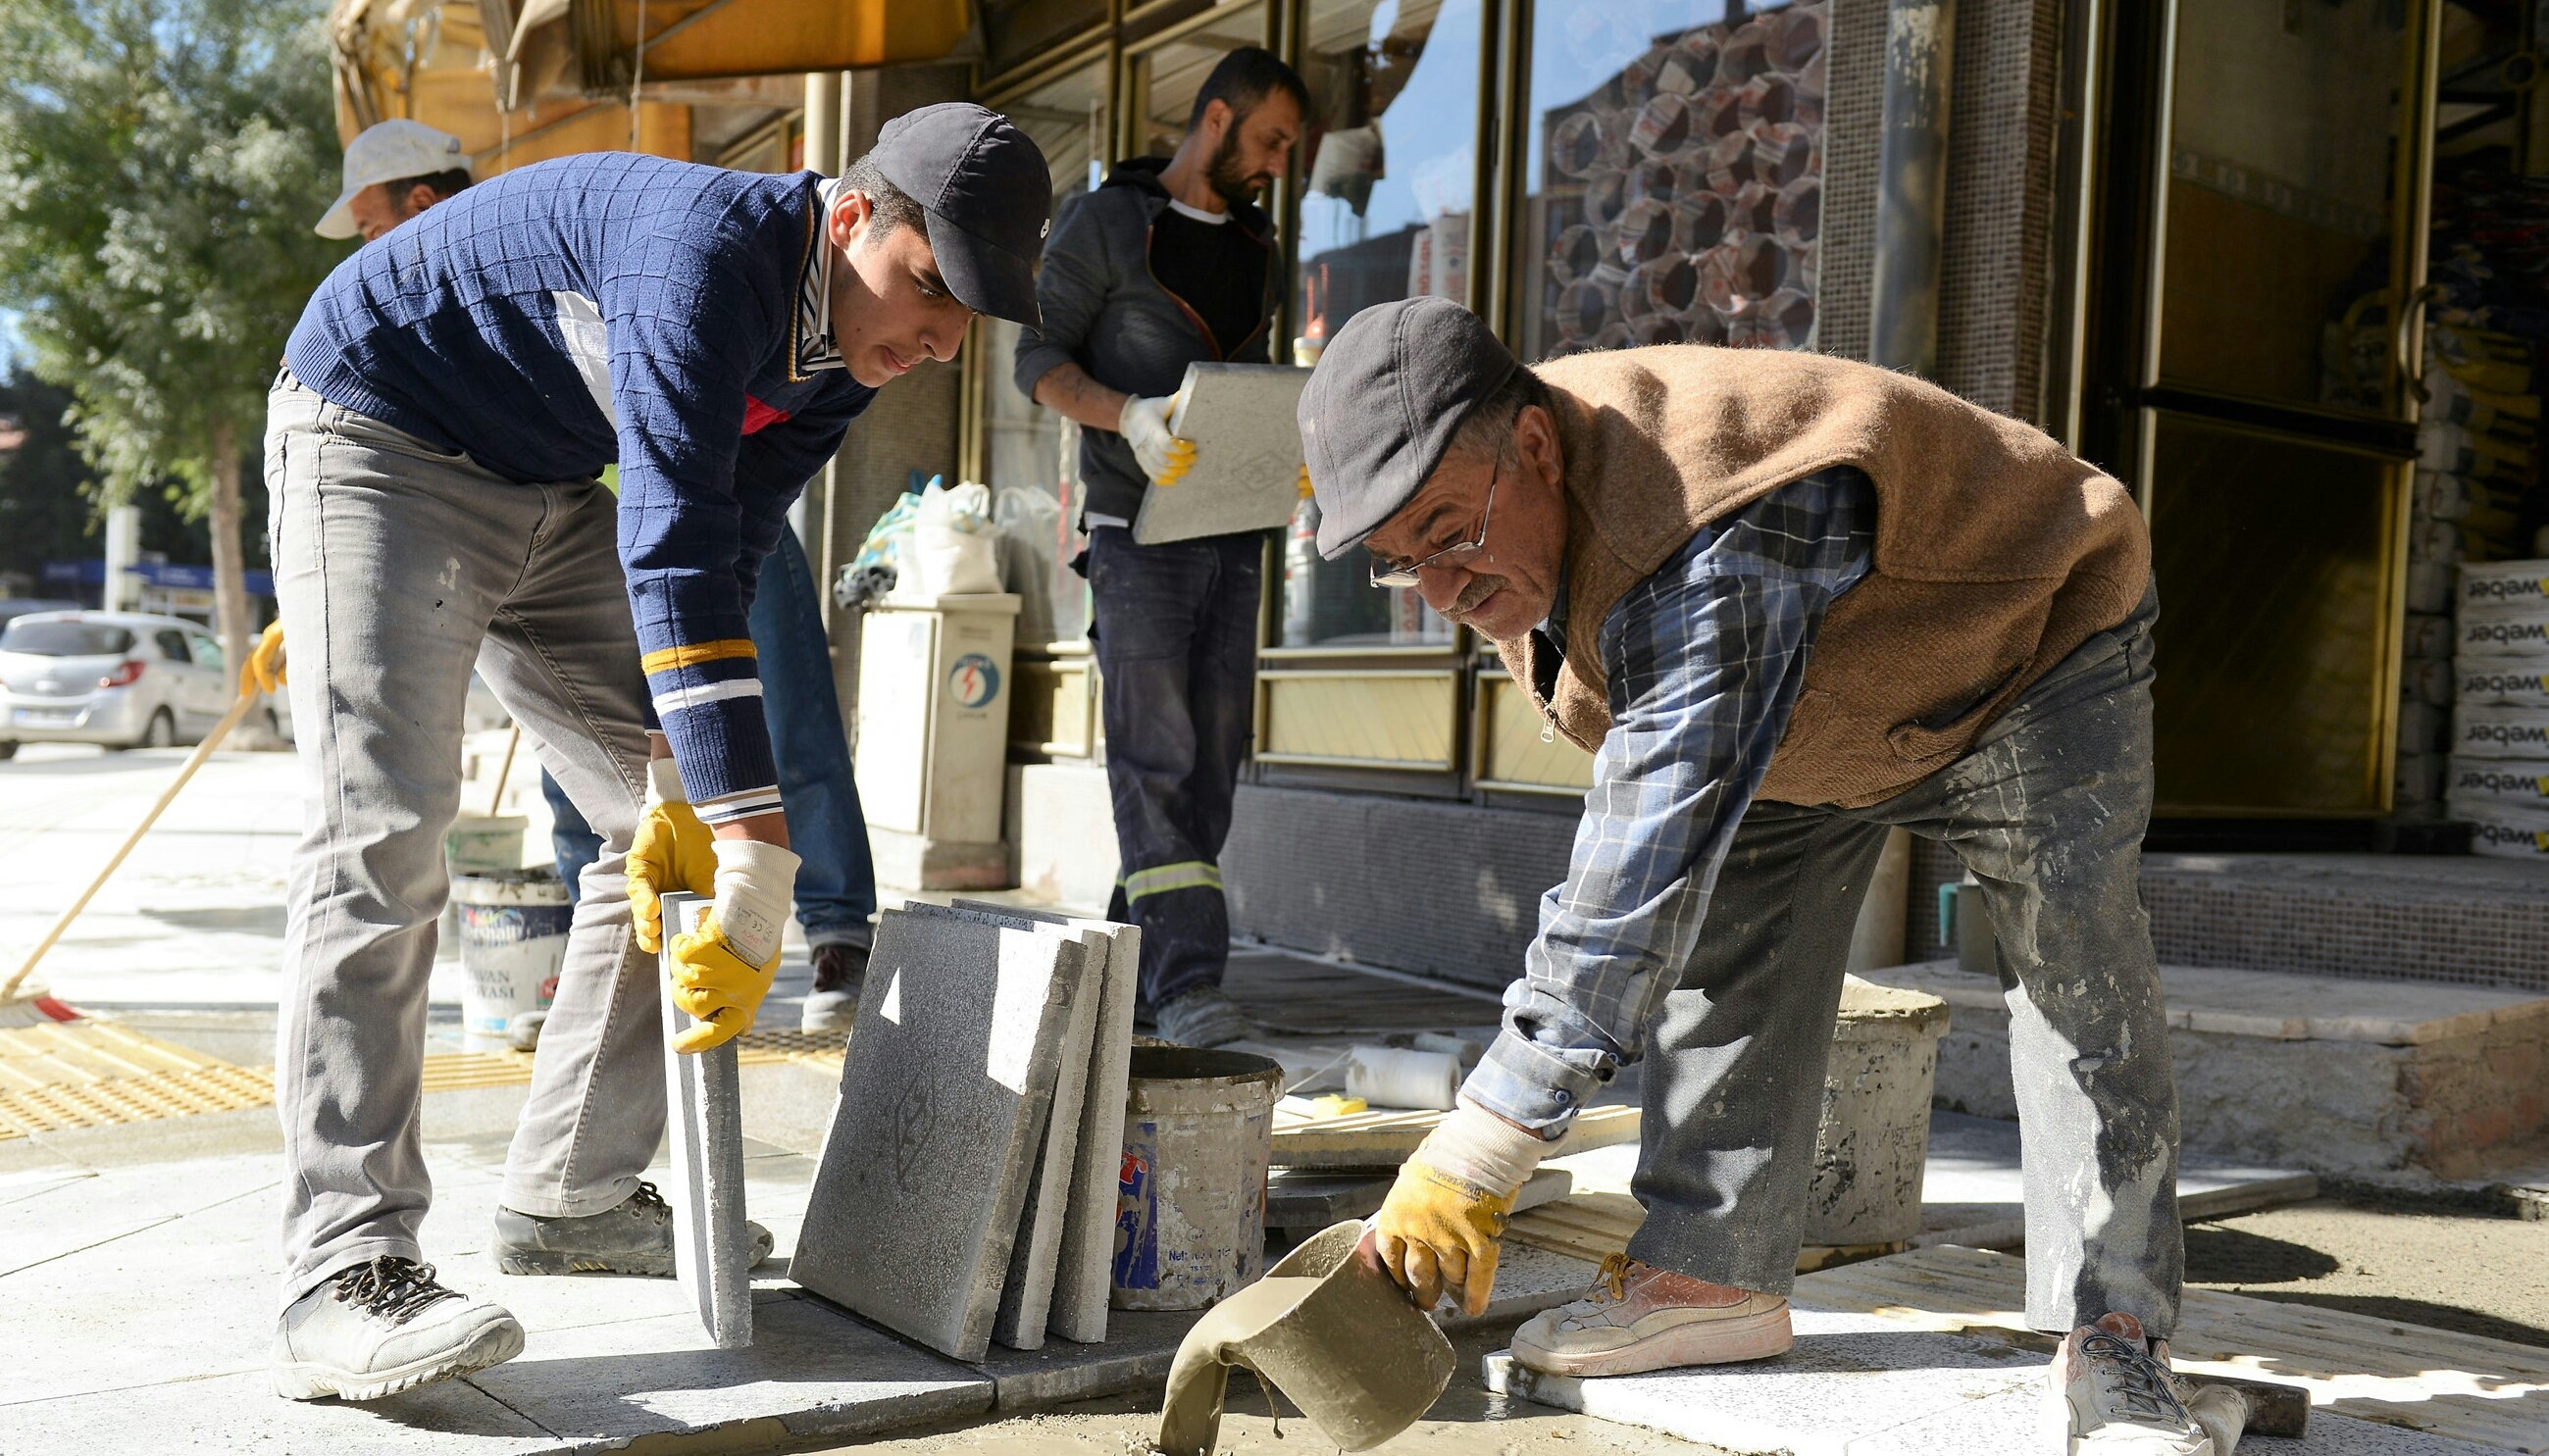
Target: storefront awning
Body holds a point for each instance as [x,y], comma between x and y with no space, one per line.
[712,39]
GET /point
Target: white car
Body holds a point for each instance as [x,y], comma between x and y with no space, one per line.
[123,679]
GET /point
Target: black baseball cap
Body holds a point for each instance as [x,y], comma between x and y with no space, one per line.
[1389,394]
[988,196]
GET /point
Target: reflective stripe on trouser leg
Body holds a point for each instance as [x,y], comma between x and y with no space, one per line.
[1159,879]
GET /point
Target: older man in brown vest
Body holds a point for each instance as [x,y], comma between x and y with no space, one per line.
[1788,602]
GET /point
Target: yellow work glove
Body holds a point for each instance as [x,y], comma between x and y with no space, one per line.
[1303,483]
[265,660]
[673,854]
[722,969]
[1435,1234]
[1144,424]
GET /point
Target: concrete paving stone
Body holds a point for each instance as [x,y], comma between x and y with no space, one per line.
[1026,1290]
[712,1248]
[810,1370]
[239,1412]
[1849,1377]
[944,1096]
[1085,1269]
[1140,1345]
[1528,1281]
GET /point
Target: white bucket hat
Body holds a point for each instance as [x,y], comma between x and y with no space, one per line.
[387,153]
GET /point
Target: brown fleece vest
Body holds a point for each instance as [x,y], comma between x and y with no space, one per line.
[1997,552]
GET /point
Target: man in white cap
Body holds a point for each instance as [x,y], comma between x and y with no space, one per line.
[393,171]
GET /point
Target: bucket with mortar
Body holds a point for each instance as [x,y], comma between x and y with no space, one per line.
[512,939]
[1190,1209]
[1872,1144]
[1327,1328]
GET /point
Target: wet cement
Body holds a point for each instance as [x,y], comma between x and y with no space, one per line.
[1466,1422]
[2415,1262]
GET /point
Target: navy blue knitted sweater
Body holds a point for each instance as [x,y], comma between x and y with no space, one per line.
[615,306]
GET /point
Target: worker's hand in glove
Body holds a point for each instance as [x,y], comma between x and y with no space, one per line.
[722,969]
[1164,457]
[1435,1234]
[265,660]
[673,854]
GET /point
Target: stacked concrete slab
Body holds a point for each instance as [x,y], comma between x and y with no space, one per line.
[1084,1261]
[711,1244]
[973,1099]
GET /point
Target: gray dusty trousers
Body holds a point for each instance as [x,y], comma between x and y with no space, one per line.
[398,568]
[2048,810]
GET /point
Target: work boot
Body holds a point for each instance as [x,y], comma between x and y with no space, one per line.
[385,1327]
[839,973]
[2111,1395]
[1638,1318]
[1204,1017]
[634,1237]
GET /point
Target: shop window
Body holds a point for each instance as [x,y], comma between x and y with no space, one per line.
[1384,213]
[1023,443]
[1674,176]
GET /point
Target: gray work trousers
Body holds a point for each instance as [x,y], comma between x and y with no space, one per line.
[398,568]
[2048,810]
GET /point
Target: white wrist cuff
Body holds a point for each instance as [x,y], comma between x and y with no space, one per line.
[664,783]
[1474,1144]
[756,885]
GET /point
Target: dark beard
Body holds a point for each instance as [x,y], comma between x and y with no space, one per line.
[1229,183]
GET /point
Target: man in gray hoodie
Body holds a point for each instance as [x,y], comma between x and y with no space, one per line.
[1170,262]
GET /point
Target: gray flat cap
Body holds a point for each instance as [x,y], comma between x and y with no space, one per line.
[1381,408]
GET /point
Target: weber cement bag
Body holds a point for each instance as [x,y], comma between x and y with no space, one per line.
[2482,732]
[2503,637]
[2516,590]
[2499,785]
[2515,836]
[2502,682]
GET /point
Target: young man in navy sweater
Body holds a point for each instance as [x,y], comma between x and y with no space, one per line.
[432,444]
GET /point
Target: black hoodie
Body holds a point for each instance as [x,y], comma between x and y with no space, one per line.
[1104,311]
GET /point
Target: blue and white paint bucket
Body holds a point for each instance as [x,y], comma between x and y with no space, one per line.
[1190,1203]
[512,939]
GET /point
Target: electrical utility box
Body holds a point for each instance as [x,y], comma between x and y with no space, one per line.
[933,738]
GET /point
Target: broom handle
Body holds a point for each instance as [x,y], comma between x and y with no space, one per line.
[194,760]
[496,805]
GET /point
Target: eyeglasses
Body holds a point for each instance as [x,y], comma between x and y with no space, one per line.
[1388,571]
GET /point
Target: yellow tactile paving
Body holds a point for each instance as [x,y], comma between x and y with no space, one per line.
[90,1074]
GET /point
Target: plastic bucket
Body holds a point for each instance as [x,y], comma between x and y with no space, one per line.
[513,938]
[1190,1209]
[1872,1144]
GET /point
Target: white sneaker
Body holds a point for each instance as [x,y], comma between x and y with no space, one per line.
[1638,1318]
[2110,1394]
[386,1327]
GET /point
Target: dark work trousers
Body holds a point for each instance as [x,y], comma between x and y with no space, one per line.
[2047,809]
[1176,652]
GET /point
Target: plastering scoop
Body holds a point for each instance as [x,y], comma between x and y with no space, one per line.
[1331,1332]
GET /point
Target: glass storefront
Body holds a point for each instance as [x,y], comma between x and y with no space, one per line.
[1673,179]
[1023,443]
[1384,213]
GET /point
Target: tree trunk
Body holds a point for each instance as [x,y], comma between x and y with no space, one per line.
[230,616]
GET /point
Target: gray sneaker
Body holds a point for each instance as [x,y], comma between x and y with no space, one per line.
[839,973]
[1204,1017]
[634,1237]
[382,1328]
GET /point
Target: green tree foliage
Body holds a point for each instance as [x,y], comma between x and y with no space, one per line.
[162,162]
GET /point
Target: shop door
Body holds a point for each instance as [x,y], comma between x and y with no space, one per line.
[2258,232]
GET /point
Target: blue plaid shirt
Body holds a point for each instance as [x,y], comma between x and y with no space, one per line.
[1704,658]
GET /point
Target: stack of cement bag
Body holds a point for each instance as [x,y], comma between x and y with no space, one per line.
[2500,762]
[2476,441]
[968,1187]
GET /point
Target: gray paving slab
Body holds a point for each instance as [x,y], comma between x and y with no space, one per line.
[1858,1386]
[1140,1345]
[1026,1290]
[712,1247]
[1084,1268]
[237,1412]
[810,1370]
[944,1096]
[1247,454]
